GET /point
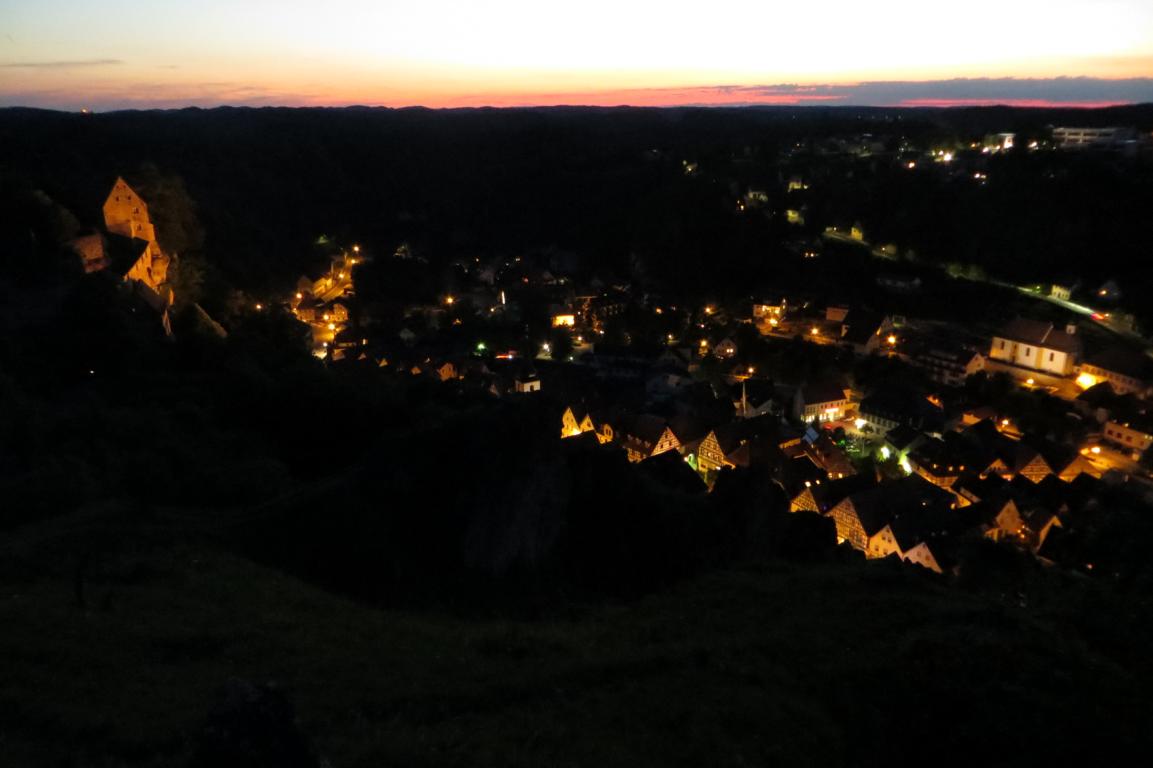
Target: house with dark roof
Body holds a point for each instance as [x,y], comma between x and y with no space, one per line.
[1037,345]
[900,440]
[820,496]
[826,454]
[646,435]
[862,515]
[864,332]
[822,401]
[725,446]
[1126,371]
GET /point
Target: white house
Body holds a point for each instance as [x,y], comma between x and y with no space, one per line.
[1037,345]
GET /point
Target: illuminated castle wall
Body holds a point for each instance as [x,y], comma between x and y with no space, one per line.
[126,213]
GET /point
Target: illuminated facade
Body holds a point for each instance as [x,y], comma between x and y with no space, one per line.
[126,215]
[1038,346]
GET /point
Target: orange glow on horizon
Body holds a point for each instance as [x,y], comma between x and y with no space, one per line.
[118,54]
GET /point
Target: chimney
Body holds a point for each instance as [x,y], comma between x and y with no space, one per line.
[1071,329]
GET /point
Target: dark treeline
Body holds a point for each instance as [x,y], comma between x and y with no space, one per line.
[607,185]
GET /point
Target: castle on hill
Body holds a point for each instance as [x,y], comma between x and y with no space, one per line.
[128,246]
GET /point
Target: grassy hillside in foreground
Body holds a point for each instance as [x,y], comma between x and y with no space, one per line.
[769,664]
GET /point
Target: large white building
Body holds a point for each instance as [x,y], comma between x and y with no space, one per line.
[1037,345]
[1078,138]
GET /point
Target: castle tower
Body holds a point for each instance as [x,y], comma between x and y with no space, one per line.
[126,214]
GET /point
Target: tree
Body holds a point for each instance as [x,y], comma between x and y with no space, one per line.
[561,344]
[172,210]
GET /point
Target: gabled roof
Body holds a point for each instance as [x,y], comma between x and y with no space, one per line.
[1039,333]
[859,326]
[124,252]
[832,492]
[980,489]
[1122,361]
[903,437]
[909,496]
[647,427]
[821,392]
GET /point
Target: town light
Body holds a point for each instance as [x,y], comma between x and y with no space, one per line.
[859,423]
[815,331]
[259,307]
[892,340]
[773,322]
[449,300]
[332,326]
[708,310]
[299,295]
[356,249]
[1029,382]
[1095,449]
[1086,380]
[752,370]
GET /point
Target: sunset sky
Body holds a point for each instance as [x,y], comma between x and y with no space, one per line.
[69,54]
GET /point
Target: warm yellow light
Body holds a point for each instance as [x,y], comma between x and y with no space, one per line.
[449,300]
[299,295]
[704,343]
[708,310]
[340,275]
[332,326]
[1004,422]
[567,321]
[752,370]
[773,322]
[259,307]
[658,310]
[892,339]
[1086,380]
[1029,381]
[1096,449]
[356,249]
[815,331]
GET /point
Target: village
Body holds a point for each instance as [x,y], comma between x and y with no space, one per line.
[908,433]
[908,429]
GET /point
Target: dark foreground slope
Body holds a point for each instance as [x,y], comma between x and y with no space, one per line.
[833,664]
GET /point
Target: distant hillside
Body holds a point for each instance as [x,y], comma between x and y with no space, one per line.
[607,184]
